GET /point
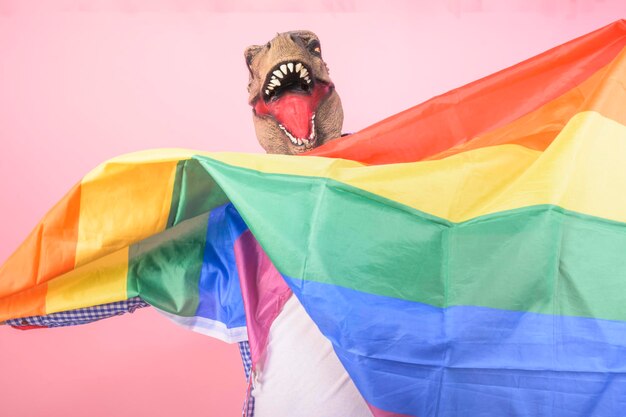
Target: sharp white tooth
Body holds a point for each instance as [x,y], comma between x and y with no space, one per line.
[298,67]
[271,87]
[299,141]
[278,74]
[308,80]
[283,68]
[312,134]
[267,92]
[290,66]
[275,82]
[303,73]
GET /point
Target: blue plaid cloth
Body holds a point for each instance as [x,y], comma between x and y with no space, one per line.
[246,358]
[81,315]
[244,350]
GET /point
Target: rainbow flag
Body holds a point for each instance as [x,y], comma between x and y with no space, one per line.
[464,257]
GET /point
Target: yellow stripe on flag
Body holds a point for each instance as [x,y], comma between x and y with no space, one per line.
[123,201]
[582,171]
[98,282]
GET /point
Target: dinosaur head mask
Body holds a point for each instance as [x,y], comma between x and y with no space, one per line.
[294,103]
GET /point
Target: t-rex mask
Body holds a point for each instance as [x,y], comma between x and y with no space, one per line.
[294,103]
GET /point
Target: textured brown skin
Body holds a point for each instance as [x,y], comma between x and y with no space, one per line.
[291,46]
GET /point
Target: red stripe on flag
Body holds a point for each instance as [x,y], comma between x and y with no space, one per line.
[462,114]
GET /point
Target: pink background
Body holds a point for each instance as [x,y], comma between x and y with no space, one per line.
[82,81]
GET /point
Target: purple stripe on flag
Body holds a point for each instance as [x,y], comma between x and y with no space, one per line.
[264,291]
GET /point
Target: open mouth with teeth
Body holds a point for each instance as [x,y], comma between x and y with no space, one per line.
[291,96]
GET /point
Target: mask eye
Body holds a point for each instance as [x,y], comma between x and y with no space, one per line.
[315,48]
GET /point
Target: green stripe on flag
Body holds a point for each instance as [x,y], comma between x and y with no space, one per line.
[540,258]
[165,268]
[195,192]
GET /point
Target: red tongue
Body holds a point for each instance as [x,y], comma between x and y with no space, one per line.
[294,112]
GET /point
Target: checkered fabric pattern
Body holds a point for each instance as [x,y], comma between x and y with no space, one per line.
[244,350]
[248,405]
[81,315]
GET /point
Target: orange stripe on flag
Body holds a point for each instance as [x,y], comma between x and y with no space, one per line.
[30,302]
[492,102]
[48,251]
[602,93]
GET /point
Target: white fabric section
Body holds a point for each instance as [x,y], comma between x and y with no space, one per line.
[209,327]
[301,375]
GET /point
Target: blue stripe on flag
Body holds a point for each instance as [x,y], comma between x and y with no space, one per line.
[419,360]
[220,296]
